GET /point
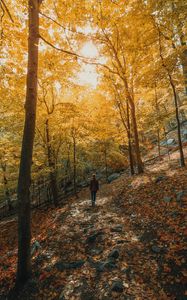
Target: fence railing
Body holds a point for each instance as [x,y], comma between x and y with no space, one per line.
[41,195]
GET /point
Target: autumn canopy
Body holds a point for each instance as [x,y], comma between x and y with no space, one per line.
[96,86]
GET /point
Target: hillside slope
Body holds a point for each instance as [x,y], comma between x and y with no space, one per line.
[130,246]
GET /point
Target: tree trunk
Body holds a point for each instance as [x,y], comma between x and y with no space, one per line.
[68,167]
[106,165]
[74,166]
[182,37]
[24,180]
[182,161]
[166,143]
[128,130]
[51,163]
[184,67]
[136,137]
[158,121]
[130,99]
[129,141]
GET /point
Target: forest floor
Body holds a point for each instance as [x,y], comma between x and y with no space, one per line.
[130,246]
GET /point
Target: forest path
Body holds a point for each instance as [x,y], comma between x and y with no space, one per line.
[114,250]
[130,246]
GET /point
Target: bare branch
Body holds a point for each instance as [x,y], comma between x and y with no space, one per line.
[60,49]
[7,10]
[60,25]
[83,59]
[2,16]
[49,18]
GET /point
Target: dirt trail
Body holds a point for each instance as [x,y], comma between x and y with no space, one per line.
[130,246]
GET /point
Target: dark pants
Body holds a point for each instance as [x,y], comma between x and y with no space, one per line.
[93,197]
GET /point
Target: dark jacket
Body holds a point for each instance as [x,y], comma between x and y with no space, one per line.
[94,185]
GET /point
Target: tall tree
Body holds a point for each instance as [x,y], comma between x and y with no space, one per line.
[171,81]
[24,180]
[113,37]
[125,119]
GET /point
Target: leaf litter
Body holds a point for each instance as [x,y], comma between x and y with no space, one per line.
[72,245]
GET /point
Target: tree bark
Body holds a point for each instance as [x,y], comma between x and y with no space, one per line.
[136,137]
[167,143]
[51,163]
[74,166]
[131,163]
[182,161]
[184,67]
[183,58]
[178,26]
[158,121]
[24,180]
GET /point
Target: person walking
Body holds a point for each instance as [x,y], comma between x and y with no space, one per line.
[94,187]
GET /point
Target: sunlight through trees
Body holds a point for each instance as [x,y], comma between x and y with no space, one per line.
[86,86]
